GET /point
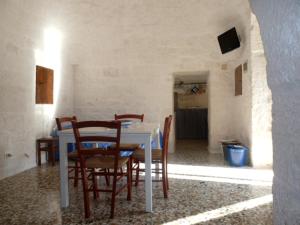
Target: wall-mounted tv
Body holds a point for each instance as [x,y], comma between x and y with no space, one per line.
[229,41]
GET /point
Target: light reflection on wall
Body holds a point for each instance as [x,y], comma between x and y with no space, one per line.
[50,56]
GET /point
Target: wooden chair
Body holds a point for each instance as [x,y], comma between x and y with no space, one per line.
[158,156]
[129,116]
[138,117]
[108,160]
[49,145]
[63,123]
[128,149]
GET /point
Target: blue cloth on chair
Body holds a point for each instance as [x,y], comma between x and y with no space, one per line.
[161,139]
[70,146]
[126,153]
[154,143]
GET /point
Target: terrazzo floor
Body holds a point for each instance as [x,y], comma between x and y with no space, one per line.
[203,190]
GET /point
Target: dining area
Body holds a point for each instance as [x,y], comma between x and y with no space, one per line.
[107,173]
[197,193]
[88,121]
[112,151]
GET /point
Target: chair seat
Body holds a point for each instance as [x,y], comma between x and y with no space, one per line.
[73,155]
[127,146]
[104,162]
[139,154]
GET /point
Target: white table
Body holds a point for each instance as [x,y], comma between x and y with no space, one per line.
[140,134]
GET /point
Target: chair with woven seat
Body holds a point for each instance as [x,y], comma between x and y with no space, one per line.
[65,123]
[128,149]
[102,162]
[158,156]
[124,117]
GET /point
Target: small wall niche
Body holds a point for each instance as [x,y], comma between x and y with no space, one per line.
[239,80]
[44,85]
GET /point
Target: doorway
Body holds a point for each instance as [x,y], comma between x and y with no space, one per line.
[191,110]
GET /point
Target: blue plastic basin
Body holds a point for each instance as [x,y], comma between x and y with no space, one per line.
[238,155]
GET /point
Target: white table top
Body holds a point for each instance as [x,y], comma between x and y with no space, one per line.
[136,128]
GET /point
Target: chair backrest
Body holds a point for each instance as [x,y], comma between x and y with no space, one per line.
[166,134]
[130,116]
[62,121]
[112,138]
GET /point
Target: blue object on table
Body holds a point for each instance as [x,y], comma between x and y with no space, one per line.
[238,155]
[126,153]
[103,145]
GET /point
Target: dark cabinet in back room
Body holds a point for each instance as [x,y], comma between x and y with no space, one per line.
[191,123]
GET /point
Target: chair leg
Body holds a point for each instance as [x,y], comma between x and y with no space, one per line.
[129,174]
[137,172]
[39,156]
[167,178]
[85,194]
[164,180]
[107,178]
[76,173]
[95,184]
[53,154]
[113,195]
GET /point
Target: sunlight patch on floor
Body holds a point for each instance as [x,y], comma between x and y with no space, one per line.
[222,172]
[220,180]
[223,211]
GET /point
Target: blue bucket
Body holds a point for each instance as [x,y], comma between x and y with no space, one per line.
[238,155]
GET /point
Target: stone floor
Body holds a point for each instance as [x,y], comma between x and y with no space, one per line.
[203,190]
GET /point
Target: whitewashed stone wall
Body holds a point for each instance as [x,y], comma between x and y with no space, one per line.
[22,45]
[127,53]
[124,55]
[280,29]
[220,107]
[262,146]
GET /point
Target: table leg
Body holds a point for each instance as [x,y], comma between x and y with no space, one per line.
[53,153]
[148,178]
[63,170]
[38,153]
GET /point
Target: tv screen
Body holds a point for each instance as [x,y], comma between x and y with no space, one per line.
[229,41]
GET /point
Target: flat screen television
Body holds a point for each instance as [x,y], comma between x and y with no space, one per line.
[229,41]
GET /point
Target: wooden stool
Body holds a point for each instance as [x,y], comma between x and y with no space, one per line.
[49,145]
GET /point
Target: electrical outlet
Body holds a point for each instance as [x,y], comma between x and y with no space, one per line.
[7,155]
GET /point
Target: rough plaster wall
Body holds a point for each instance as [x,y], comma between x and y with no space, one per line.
[128,51]
[242,103]
[262,146]
[242,111]
[22,25]
[280,29]
[220,110]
